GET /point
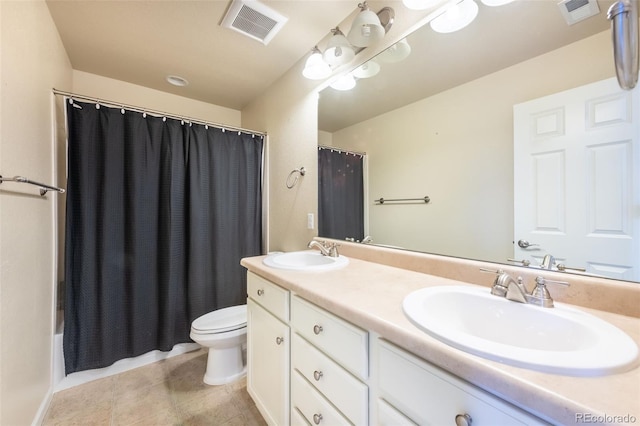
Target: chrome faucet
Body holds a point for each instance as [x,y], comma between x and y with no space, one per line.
[506,286]
[327,249]
[548,262]
[513,289]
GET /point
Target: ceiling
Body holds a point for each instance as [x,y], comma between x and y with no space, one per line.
[142,42]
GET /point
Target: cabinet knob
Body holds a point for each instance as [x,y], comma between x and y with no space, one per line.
[317,418]
[279,340]
[317,375]
[317,329]
[463,420]
[260,292]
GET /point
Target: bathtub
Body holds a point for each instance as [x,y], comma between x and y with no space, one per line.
[60,382]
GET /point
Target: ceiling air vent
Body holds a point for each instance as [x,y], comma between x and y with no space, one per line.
[577,10]
[254,19]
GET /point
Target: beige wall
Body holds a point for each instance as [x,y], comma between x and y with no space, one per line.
[457,148]
[32,62]
[93,85]
[288,112]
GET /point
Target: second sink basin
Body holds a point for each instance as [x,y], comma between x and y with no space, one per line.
[307,260]
[559,340]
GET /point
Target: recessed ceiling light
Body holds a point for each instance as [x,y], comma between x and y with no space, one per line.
[177,80]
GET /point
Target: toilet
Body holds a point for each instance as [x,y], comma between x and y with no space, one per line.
[224,332]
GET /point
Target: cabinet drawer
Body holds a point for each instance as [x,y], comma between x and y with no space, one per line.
[297,419]
[389,416]
[342,341]
[426,394]
[344,391]
[313,406]
[273,298]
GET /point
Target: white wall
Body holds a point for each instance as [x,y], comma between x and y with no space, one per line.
[33,61]
[457,148]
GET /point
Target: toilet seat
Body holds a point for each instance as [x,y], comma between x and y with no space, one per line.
[221,321]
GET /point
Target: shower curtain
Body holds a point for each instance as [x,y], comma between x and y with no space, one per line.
[340,194]
[159,214]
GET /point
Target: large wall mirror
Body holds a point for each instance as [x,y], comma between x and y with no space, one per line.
[440,123]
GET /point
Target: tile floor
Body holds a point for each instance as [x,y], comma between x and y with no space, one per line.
[168,392]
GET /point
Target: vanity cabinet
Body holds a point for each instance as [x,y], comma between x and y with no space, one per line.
[412,391]
[307,366]
[329,364]
[268,348]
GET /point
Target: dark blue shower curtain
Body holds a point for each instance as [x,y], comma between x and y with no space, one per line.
[340,194]
[159,214]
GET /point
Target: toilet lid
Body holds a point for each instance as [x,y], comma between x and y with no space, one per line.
[221,320]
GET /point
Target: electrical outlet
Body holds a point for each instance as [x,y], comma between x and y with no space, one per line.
[310,221]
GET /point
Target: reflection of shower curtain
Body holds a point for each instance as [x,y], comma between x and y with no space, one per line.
[159,214]
[340,194]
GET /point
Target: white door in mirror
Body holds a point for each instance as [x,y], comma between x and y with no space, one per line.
[576,160]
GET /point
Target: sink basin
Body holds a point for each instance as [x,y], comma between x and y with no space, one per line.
[308,260]
[560,340]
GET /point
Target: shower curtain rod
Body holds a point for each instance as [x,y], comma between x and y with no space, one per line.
[342,150]
[155,112]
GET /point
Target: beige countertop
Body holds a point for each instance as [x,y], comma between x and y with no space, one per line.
[370,296]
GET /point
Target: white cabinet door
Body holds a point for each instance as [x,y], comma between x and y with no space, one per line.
[268,364]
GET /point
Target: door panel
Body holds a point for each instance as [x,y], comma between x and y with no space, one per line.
[576,173]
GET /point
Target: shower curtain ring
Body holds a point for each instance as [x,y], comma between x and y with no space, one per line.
[296,173]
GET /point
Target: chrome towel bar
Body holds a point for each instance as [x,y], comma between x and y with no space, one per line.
[402,200]
[43,187]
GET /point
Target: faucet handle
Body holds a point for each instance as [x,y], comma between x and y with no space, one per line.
[540,294]
[524,262]
[492,271]
[562,267]
[540,280]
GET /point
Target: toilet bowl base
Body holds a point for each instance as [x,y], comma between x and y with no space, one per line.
[224,365]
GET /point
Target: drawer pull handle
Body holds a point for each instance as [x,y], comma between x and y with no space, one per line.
[463,420]
[279,340]
[317,329]
[260,292]
[317,375]
[317,418]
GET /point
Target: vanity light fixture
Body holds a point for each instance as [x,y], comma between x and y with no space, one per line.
[338,51]
[456,17]
[345,82]
[395,53]
[316,68]
[366,70]
[366,28]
